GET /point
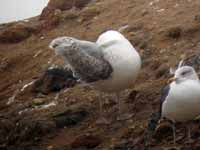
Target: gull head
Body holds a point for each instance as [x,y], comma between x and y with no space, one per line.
[184,73]
[62,44]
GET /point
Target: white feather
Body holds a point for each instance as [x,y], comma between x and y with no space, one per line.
[124,59]
[183,100]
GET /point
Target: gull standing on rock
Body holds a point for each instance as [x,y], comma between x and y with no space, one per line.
[180,101]
[110,65]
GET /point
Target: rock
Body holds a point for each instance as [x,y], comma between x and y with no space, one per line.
[81,3]
[133,95]
[52,20]
[62,5]
[172,148]
[86,141]
[192,30]
[143,44]
[139,39]
[4,65]
[174,32]
[47,13]
[131,29]
[28,131]
[135,40]
[124,145]
[123,28]
[50,147]
[89,13]
[53,80]
[155,64]
[36,26]
[144,12]
[162,70]
[6,126]
[69,118]
[196,146]
[39,101]
[163,129]
[197,18]
[68,15]
[16,33]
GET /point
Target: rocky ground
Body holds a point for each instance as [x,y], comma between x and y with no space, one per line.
[34,115]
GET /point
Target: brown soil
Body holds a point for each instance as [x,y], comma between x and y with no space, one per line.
[162,31]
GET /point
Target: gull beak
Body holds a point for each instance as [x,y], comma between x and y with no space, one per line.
[171,80]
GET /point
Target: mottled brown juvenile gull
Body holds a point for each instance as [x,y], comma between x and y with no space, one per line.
[111,64]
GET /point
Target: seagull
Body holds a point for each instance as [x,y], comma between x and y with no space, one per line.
[180,100]
[110,65]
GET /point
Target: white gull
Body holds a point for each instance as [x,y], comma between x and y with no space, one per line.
[180,101]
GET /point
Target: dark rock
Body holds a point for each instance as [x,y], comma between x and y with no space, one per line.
[163,130]
[47,12]
[69,118]
[154,64]
[124,145]
[6,126]
[145,12]
[197,18]
[53,80]
[52,20]
[133,95]
[26,132]
[173,148]
[136,38]
[133,30]
[68,15]
[162,70]
[175,32]
[62,5]
[196,135]
[86,141]
[196,146]
[81,3]
[192,30]
[15,33]
[143,44]
[35,27]
[4,65]
[89,13]
[139,39]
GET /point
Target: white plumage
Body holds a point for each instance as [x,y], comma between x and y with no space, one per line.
[183,100]
[180,101]
[124,59]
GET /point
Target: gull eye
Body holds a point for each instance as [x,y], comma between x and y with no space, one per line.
[185,72]
[55,45]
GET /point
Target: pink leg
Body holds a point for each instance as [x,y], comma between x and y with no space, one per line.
[121,114]
[101,119]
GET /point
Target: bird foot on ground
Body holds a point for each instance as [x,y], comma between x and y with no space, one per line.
[102,121]
[124,116]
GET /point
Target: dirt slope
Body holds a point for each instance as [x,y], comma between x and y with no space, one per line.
[162,31]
